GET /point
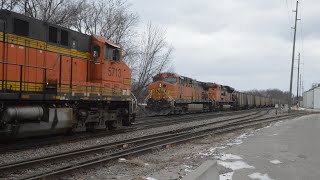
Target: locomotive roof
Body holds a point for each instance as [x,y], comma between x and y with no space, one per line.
[6,13]
[38,29]
[205,84]
[102,39]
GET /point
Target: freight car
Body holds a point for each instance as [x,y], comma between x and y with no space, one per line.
[54,80]
[172,93]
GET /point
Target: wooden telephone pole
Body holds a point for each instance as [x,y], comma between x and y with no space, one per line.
[293,52]
[298,78]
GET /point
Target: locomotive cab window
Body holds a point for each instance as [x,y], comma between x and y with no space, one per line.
[116,55]
[96,51]
[111,53]
[170,80]
[106,52]
[64,38]
[53,34]
[21,27]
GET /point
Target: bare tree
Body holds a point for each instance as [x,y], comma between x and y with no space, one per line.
[274,93]
[153,57]
[9,4]
[60,12]
[111,19]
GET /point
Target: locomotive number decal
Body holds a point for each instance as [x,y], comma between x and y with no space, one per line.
[112,71]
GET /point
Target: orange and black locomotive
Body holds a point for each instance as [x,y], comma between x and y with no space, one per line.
[170,93]
[54,79]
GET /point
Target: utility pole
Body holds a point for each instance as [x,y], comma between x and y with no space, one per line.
[300,85]
[293,51]
[298,78]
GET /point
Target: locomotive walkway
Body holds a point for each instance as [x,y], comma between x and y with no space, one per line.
[287,150]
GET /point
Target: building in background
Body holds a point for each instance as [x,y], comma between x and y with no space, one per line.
[311,98]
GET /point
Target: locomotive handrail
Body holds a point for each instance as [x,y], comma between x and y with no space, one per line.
[37,67]
[21,82]
[145,100]
[135,102]
[172,100]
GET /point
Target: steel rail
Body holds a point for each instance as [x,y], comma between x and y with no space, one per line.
[152,145]
[118,144]
[36,142]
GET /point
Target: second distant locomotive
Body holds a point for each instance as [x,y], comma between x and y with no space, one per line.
[172,93]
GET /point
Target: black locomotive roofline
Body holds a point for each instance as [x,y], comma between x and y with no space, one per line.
[205,85]
[19,24]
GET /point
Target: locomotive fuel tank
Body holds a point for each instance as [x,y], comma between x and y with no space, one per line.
[31,121]
[195,107]
[23,114]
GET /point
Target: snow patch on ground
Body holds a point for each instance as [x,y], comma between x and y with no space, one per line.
[120,160]
[239,139]
[211,151]
[224,157]
[215,148]
[226,176]
[260,176]
[276,161]
[236,165]
[187,168]
[150,178]
[235,142]
[278,123]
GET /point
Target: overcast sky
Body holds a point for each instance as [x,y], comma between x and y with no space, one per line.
[246,44]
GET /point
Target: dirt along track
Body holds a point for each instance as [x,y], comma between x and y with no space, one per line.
[88,157]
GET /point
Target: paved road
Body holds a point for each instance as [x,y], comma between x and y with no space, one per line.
[288,150]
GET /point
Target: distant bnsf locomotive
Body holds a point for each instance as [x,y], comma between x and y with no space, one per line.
[172,93]
[56,80]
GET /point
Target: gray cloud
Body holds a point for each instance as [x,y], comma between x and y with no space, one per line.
[243,43]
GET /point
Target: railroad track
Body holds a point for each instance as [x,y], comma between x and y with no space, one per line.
[172,117]
[189,118]
[140,145]
[24,144]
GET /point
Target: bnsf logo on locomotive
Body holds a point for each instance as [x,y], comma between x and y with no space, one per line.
[161,91]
